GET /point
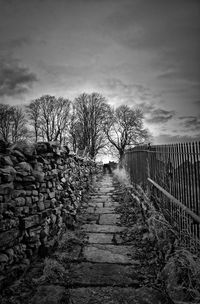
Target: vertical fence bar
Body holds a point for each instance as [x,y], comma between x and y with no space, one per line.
[176,168]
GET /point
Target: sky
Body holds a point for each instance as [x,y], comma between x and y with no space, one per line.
[143,53]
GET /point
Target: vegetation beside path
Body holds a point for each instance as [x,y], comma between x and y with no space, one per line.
[164,262]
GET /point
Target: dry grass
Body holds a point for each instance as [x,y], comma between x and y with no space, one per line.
[181,268]
[53,270]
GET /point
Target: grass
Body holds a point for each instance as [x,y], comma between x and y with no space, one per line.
[53,270]
[179,267]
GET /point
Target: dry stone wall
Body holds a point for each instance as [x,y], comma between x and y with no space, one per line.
[41,188]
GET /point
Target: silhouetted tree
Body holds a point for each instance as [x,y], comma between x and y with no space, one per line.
[6,113]
[50,117]
[12,123]
[124,128]
[89,114]
[19,129]
[33,110]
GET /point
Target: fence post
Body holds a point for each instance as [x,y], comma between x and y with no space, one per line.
[148,169]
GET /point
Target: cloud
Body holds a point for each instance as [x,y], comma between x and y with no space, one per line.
[191,123]
[18,42]
[173,46]
[197,102]
[127,93]
[14,79]
[159,115]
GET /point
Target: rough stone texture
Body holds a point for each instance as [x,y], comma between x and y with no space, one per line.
[41,189]
[95,204]
[108,254]
[104,210]
[89,274]
[109,219]
[102,228]
[111,204]
[116,295]
[100,210]
[48,295]
[99,238]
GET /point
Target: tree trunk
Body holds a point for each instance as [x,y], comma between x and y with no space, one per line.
[121,158]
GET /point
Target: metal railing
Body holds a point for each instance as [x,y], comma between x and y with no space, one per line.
[171,174]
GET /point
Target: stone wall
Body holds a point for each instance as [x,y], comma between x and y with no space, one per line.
[41,188]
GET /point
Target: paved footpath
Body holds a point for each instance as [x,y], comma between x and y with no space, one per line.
[94,266]
[107,273]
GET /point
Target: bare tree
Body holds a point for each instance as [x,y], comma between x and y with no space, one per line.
[33,110]
[50,117]
[6,115]
[124,128]
[90,113]
[75,130]
[19,129]
[12,123]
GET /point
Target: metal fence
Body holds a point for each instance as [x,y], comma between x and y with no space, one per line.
[171,174]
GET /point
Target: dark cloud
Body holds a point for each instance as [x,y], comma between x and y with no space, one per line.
[158,116]
[14,79]
[146,108]
[18,42]
[191,123]
[197,102]
[129,93]
[169,29]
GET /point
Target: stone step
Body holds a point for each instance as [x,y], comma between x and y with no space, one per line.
[109,219]
[102,228]
[48,294]
[96,204]
[116,295]
[89,274]
[111,204]
[103,238]
[111,254]
[100,210]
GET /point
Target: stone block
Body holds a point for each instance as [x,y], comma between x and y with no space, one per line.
[35,193]
[52,194]
[28,192]
[28,201]
[8,237]
[33,209]
[4,258]
[17,193]
[20,201]
[24,167]
[26,210]
[31,221]
[41,206]
[28,178]
[7,161]
[47,204]
[30,187]
[35,199]
[49,184]
[18,179]
[39,176]
[6,188]
[7,174]
[18,186]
